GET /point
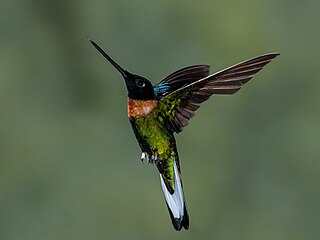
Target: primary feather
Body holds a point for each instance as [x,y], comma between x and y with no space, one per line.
[227,81]
[179,79]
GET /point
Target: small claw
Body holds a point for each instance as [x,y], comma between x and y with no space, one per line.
[144,157]
[154,158]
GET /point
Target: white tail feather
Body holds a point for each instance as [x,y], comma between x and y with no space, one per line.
[175,201]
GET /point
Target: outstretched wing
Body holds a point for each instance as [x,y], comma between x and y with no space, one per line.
[179,79]
[180,105]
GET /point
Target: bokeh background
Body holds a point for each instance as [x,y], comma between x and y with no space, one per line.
[69,163]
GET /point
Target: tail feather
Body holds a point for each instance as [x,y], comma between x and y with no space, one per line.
[175,202]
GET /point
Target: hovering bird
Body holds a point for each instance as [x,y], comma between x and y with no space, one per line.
[157,112]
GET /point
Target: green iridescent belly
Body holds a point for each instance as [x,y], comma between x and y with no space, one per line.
[153,135]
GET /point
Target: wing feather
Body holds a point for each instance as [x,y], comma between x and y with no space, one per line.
[179,79]
[227,81]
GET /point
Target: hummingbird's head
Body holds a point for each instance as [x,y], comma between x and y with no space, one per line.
[138,87]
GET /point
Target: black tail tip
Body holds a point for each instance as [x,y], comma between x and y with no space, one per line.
[178,223]
[183,221]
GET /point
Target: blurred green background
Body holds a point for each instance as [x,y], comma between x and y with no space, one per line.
[69,164]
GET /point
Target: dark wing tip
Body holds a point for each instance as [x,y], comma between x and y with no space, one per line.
[271,54]
[230,80]
[268,56]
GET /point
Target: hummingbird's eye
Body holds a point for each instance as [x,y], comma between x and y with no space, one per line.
[140,83]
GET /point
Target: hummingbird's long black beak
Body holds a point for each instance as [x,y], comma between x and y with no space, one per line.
[125,74]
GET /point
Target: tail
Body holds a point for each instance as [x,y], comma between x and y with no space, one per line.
[175,201]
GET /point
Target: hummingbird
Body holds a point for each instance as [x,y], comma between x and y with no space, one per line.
[158,112]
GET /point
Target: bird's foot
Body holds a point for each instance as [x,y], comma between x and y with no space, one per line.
[154,158]
[145,158]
